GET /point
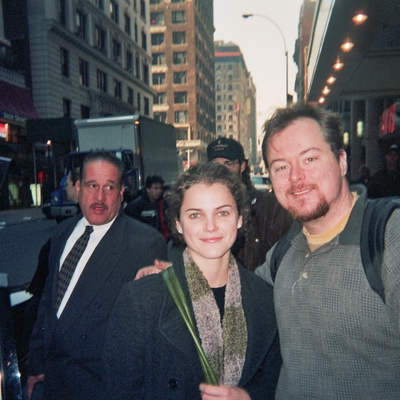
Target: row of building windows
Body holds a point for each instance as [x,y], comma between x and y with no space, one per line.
[178,57]
[101,81]
[230,117]
[177,17]
[160,78]
[179,98]
[84,66]
[158,39]
[155,2]
[180,117]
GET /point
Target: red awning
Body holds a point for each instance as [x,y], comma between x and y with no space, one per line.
[16,103]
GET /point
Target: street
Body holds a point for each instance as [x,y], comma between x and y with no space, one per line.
[22,234]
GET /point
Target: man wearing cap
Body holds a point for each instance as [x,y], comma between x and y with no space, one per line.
[386,182]
[268,220]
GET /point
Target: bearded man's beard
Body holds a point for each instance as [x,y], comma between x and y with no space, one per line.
[321,210]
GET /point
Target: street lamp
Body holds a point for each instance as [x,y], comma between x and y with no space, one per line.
[284,44]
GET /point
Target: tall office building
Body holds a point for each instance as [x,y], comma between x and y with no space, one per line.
[90,58]
[183,72]
[235,98]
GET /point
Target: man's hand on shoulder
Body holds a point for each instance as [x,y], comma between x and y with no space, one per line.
[158,266]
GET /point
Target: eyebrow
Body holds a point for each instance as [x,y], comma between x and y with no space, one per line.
[199,209]
[302,153]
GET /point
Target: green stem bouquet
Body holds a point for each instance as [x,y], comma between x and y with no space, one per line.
[176,291]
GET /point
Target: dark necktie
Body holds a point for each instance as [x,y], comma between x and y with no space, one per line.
[70,263]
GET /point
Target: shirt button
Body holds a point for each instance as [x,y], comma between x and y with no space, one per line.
[305,275]
[173,384]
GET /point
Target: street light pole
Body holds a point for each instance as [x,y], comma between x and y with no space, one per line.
[284,45]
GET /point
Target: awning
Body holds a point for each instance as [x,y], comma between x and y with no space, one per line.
[16,103]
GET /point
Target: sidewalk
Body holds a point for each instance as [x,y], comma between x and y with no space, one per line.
[19,216]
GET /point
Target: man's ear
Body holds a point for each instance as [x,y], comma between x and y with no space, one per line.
[240,222]
[243,166]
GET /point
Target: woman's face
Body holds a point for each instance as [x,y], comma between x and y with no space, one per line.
[209,221]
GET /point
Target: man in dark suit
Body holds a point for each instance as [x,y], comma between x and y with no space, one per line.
[66,344]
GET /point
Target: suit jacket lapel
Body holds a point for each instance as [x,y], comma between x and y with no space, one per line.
[104,259]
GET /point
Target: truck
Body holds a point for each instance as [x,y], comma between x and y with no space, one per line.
[146,147]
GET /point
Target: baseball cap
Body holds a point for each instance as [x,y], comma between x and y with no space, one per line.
[225,148]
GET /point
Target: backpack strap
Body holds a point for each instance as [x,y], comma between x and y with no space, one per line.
[281,247]
[372,241]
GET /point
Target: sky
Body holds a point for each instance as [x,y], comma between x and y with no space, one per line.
[262,45]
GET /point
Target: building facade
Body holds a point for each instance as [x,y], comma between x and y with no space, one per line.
[90,58]
[183,72]
[235,98]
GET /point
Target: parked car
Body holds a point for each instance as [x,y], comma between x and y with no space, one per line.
[262,182]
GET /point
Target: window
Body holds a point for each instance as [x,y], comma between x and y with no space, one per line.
[219,97]
[230,117]
[66,107]
[152,2]
[156,18]
[83,72]
[99,3]
[177,1]
[160,117]
[230,128]
[178,37]
[181,117]
[160,98]
[219,128]
[179,57]
[219,118]
[130,96]
[62,16]
[230,107]
[129,61]
[180,77]
[80,21]
[101,80]
[116,50]
[136,32]
[127,24]
[180,97]
[157,39]
[143,9]
[117,89]
[114,11]
[158,79]
[181,134]
[138,102]
[64,58]
[144,40]
[146,106]
[230,77]
[230,97]
[85,112]
[218,108]
[230,87]
[99,38]
[158,59]
[230,67]
[178,17]
[137,65]
[146,74]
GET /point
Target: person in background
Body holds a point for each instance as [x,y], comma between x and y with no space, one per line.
[339,340]
[365,175]
[150,207]
[149,352]
[268,220]
[68,337]
[70,186]
[386,182]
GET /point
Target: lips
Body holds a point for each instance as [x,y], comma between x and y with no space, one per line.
[98,207]
[211,240]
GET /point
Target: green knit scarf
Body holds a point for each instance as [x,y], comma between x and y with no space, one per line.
[225,346]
